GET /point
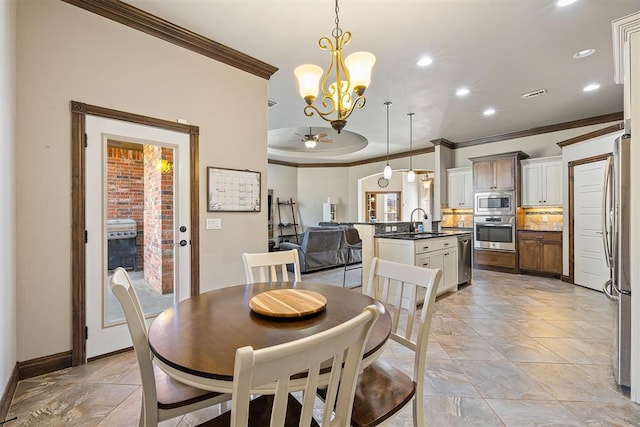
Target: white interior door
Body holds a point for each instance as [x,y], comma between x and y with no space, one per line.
[590,268]
[161,272]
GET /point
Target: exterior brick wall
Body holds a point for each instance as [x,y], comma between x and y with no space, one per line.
[125,184]
[158,220]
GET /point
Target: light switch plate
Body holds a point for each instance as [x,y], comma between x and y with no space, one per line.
[214,223]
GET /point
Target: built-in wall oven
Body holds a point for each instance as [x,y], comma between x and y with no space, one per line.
[495,203]
[497,232]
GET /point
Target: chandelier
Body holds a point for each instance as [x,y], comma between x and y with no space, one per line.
[343,84]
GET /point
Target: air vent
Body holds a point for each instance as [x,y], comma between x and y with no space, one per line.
[271,103]
[533,94]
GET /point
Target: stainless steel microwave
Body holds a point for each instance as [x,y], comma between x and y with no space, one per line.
[495,203]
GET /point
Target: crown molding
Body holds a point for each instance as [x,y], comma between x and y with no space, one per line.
[138,19]
[591,135]
[606,118]
[444,142]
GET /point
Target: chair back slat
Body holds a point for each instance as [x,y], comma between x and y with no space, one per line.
[265,266]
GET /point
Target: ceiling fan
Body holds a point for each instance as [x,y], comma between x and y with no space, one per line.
[310,140]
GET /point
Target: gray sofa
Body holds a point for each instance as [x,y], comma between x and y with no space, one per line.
[322,247]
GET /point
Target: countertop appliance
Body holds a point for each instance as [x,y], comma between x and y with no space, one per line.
[495,232]
[615,236]
[495,203]
[464,258]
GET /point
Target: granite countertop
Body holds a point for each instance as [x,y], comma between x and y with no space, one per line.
[420,236]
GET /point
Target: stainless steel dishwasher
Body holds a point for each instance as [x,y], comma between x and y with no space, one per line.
[464,258]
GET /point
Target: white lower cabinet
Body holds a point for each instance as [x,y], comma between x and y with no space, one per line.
[437,252]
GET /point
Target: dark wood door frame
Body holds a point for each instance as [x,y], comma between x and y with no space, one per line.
[79,111]
[571,165]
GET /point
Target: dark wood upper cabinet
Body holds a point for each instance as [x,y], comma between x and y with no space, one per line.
[496,173]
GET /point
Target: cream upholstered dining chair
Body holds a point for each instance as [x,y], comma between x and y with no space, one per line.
[265,265]
[383,390]
[273,370]
[162,396]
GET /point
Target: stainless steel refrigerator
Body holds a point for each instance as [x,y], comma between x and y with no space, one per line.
[615,234]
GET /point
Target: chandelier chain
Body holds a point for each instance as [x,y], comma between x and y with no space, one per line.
[337,32]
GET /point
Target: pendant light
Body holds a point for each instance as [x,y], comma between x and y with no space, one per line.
[387,169]
[411,176]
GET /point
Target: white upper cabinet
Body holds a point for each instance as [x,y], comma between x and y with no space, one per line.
[542,181]
[460,188]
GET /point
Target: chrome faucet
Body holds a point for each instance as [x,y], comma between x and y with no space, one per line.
[414,224]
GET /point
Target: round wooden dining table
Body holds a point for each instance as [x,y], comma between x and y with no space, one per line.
[195,341]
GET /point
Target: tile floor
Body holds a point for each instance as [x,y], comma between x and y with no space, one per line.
[508,350]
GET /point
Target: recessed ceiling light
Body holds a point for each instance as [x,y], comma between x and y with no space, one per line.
[463,91]
[563,3]
[425,61]
[584,53]
[591,87]
[489,112]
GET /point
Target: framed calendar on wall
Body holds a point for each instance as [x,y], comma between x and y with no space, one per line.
[232,190]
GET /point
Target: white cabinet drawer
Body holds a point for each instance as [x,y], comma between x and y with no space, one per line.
[423,260]
[435,244]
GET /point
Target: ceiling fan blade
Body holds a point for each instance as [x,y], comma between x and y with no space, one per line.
[325,140]
[320,135]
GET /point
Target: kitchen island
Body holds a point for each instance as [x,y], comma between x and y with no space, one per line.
[430,250]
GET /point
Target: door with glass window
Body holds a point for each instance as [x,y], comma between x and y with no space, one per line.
[137,217]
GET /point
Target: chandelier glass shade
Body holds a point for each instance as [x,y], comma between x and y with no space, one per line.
[387,171]
[342,85]
[411,175]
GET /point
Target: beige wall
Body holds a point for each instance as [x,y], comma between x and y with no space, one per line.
[315,185]
[8,345]
[66,54]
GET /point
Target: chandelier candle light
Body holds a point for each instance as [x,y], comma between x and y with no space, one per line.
[411,176]
[343,84]
[387,172]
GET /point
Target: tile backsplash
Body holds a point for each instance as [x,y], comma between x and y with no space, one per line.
[534,218]
[457,218]
[543,219]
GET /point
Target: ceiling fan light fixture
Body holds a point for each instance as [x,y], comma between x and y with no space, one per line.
[344,83]
[310,143]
